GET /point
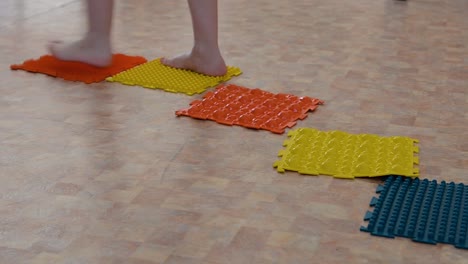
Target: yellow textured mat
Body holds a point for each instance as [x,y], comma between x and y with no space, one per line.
[344,155]
[156,75]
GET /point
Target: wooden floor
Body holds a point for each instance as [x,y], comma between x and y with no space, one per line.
[107,173]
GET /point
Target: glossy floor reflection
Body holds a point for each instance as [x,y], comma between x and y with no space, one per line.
[106,173]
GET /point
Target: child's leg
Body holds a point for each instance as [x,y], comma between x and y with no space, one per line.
[205,56]
[95,47]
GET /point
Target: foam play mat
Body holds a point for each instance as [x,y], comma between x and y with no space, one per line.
[422,210]
[344,155]
[252,108]
[77,71]
[156,75]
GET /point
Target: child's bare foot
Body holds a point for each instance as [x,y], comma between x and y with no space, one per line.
[209,63]
[96,52]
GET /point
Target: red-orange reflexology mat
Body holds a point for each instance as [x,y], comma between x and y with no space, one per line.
[77,71]
[252,108]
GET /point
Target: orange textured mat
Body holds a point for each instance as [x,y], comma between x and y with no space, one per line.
[252,108]
[77,71]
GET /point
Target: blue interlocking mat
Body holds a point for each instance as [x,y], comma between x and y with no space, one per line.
[423,210]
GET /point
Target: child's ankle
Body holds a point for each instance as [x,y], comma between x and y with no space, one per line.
[97,39]
[203,50]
